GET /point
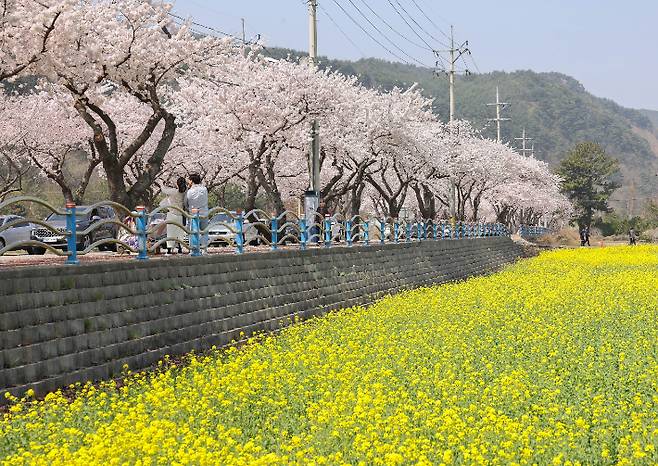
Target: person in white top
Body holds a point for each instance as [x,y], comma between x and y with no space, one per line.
[175,198]
[196,197]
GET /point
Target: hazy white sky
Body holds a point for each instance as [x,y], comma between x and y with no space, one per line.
[610,46]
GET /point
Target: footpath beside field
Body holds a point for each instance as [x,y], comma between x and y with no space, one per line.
[552,361]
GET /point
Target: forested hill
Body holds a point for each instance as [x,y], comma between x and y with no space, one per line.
[556,110]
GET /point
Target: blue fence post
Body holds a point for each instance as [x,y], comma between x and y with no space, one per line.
[302,233]
[382,231]
[72,235]
[274,230]
[408,231]
[348,232]
[195,239]
[142,241]
[239,235]
[327,231]
[366,232]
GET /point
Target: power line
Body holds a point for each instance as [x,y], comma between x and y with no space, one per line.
[374,26]
[477,68]
[395,30]
[430,20]
[209,28]
[366,32]
[409,25]
[342,31]
[418,24]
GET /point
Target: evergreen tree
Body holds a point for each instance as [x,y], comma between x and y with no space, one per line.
[588,175]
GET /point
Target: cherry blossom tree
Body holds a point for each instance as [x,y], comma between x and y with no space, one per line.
[44,129]
[26,29]
[103,49]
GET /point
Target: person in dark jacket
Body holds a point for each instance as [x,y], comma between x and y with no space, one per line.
[632,237]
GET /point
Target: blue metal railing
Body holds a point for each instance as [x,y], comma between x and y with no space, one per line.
[141,234]
[532,231]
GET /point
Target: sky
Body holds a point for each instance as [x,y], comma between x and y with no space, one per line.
[610,46]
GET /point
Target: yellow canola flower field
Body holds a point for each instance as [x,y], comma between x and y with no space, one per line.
[552,361]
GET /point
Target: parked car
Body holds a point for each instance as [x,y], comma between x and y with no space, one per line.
[58,223]
[17,233]
[157,228]
[219,233]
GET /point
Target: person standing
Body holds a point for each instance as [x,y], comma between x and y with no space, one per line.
[632,237]
[197,198]
[582,236]
[175,198]
[587,236]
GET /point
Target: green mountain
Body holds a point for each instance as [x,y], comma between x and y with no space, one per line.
[555,109]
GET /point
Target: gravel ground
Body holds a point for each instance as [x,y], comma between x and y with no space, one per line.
[22,259]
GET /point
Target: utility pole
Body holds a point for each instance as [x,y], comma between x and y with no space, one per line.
[455,54]
[312,195]
[499,106]
[524,149]
[244,37]
[631,200]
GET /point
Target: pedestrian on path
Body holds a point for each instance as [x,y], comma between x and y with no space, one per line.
[197,198]
[176,199]
[632,237]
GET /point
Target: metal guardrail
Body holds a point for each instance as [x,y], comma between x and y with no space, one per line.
[532,231]
[137,235]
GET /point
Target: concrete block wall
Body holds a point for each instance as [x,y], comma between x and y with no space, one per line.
[64,324]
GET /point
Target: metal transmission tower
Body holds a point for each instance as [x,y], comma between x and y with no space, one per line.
[499,106]
[524,148]
[312,195]
[455,53]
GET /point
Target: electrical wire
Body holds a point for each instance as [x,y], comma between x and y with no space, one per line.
[342,31]
[424,47]
[418,24]
[475,65]
[410,26]
[374,26]
[204,26]
[366,32]
[430,20]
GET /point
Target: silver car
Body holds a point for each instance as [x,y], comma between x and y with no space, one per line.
[15,234]
[220,234]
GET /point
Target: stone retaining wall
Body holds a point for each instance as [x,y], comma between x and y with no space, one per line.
[64,324]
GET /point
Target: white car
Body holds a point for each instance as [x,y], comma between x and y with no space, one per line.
[15,234]
[219,233]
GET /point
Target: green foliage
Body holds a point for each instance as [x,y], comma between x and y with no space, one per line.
[588,179]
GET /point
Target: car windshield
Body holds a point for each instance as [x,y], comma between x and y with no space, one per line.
[222,218]
[56,218]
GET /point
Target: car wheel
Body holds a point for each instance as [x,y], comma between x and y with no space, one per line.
[86,242]
[2,243]
[111,247]
[35,251]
